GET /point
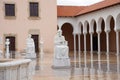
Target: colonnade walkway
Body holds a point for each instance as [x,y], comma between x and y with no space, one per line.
[101,67]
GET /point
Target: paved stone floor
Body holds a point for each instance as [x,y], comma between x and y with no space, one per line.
[45,72]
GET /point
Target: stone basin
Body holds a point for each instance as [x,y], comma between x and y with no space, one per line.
[18,67]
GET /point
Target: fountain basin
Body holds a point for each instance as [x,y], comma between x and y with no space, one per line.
[14,69]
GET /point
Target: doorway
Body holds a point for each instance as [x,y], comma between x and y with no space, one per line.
[36,41]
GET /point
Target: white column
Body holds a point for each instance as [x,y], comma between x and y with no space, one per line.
[99,55]
[85,59]
[108,63]
[117,41]
[107,39]
[79,50]
[117,45]
[75,50]
[98,42]
[91,40]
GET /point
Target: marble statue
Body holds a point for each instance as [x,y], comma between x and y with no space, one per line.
[30,47]
[41,49]
[7,54]
[1,52]
[61,50]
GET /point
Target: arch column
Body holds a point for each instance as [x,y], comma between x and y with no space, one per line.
[99,55]
[117,46]
[74,35]
[79,50]
[107,39]
[107,53]
[85,58]
[91,44]
[98,42]
[117,41]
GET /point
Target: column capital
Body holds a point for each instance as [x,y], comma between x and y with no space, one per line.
[98,32]
[91,32]
[107,31]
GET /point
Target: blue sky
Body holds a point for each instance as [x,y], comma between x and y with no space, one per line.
[77,2]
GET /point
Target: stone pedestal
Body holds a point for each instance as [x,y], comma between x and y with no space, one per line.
[61,59]
[61,63]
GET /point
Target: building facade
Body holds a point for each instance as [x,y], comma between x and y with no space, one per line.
[18,18]
[92,28]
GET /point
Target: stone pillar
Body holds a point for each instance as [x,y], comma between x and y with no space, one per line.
[74,50]
[98,42]
[107,40]
[92,70]
[117,55]
[85,59]
[79,50]
[85,56]
[117,41]
[99,55]
[91,40]
[107,54]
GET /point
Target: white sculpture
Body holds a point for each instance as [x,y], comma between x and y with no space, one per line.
[1,54]
[30,48]
[41,49]
[7,54]
[61,51]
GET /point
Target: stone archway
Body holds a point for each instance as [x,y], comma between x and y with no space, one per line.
[103,37]
[112,35]
[88,38]
[81,38]
[95,38]
[67,30]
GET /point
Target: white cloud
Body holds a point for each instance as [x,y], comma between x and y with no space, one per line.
[77,2]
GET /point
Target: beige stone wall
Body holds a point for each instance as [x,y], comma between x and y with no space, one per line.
[22,23]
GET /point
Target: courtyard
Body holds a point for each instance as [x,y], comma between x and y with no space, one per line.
[46,72]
